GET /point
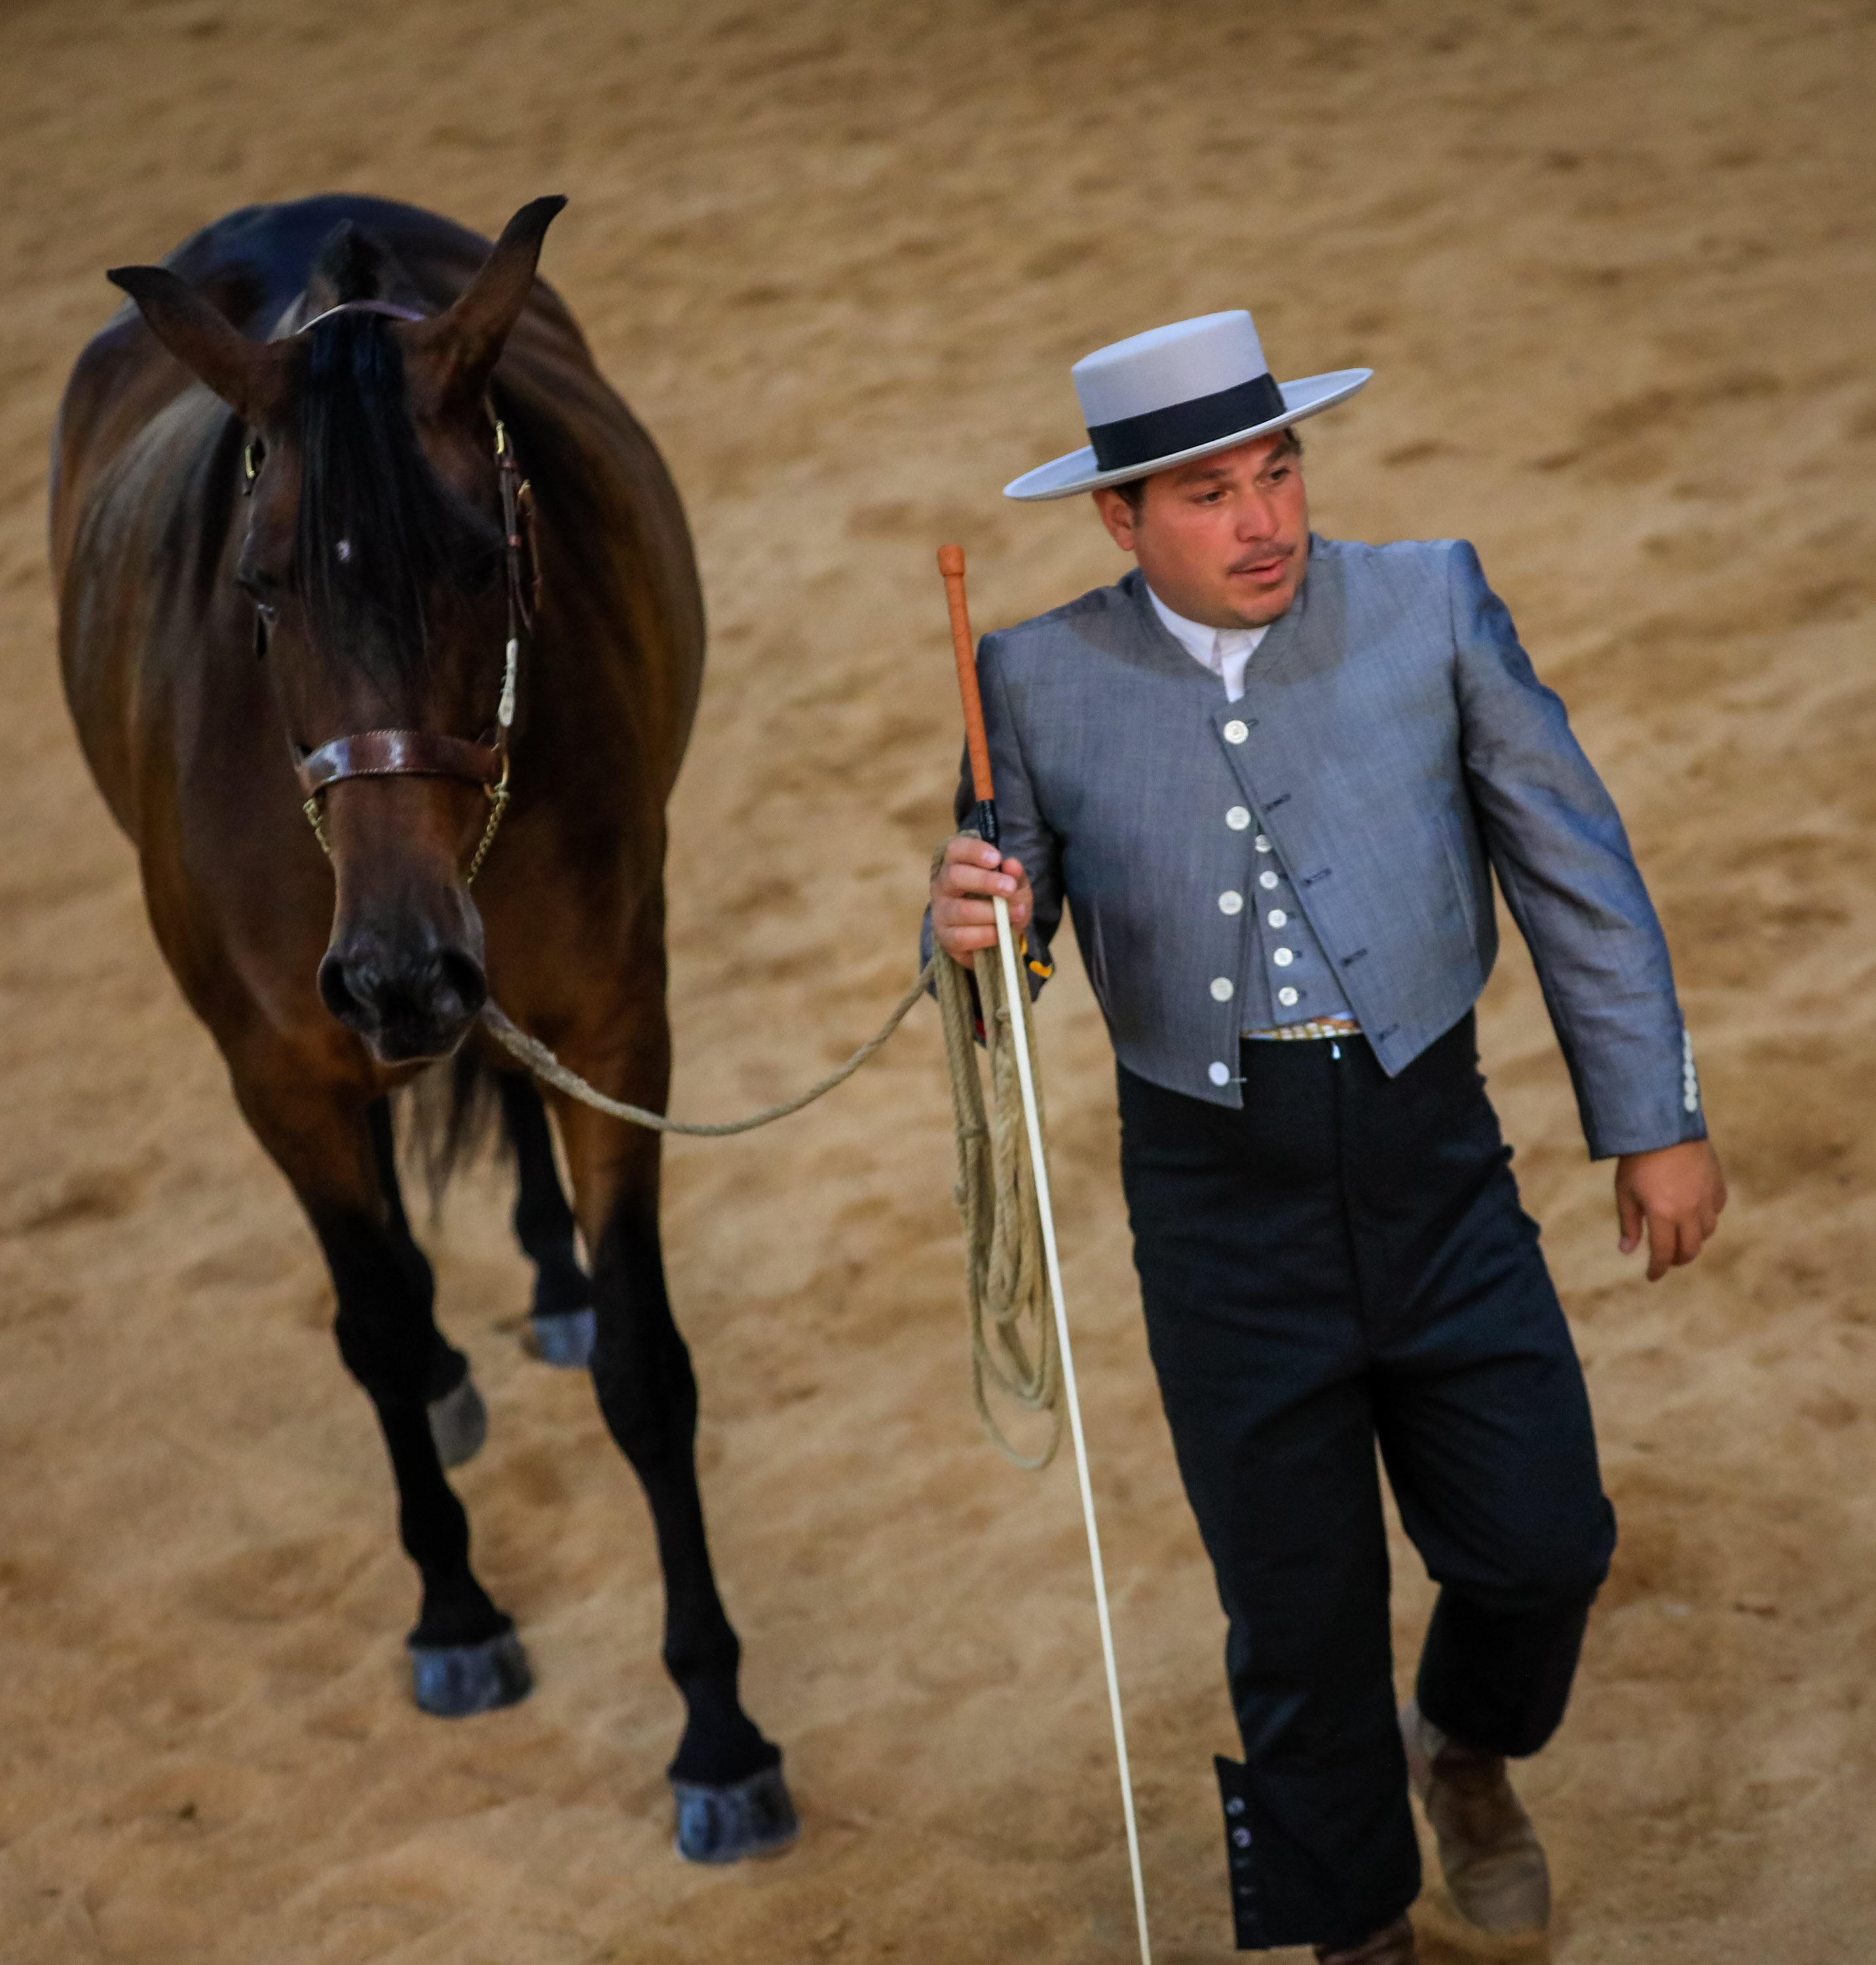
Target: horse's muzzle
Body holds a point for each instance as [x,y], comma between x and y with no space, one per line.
[407,1007]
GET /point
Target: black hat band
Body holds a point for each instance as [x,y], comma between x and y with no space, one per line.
[1119,446]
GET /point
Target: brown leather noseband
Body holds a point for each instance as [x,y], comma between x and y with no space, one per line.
[435,754]
[394,754]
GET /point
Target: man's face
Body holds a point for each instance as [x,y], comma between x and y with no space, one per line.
[1224,540]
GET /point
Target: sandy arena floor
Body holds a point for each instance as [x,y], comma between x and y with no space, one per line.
[1613,264]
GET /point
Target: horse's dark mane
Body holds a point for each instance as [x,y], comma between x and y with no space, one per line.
[378,531]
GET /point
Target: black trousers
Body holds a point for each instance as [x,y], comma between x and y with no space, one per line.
[1344,1262]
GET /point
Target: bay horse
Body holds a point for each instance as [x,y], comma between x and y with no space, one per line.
[320,640]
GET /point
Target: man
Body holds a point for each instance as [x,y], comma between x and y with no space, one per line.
[1271,775]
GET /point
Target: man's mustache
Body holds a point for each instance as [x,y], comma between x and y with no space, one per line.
[1261,555]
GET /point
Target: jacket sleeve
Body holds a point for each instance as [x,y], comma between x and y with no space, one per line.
[1563,860]
[1023,835]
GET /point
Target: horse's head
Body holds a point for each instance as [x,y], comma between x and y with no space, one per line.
[375,556]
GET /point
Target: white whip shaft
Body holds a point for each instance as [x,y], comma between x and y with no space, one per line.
[1019,997]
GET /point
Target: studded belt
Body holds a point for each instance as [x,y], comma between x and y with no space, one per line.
[1316,1026]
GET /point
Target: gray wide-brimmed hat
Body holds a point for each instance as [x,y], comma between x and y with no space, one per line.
[1174,394]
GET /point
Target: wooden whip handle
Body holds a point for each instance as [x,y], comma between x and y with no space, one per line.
[951,560]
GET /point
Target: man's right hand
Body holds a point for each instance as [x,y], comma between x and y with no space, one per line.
[963,920]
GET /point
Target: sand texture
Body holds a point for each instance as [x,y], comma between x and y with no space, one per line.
[1613,264]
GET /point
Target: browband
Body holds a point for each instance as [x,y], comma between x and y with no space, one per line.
[389,309]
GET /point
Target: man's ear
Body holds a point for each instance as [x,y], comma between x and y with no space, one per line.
[450,359]
[1116,514]
[250,376]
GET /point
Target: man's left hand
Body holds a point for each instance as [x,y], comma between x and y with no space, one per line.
[1677,1193]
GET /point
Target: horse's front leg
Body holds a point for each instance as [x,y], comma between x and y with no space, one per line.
[458,1418]
[333,1144]
[731,1798]
[561,1311]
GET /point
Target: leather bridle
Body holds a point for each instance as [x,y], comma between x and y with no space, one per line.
[435,754]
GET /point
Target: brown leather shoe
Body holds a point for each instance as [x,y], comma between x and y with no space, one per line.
[1395,1946]
[1493,1862]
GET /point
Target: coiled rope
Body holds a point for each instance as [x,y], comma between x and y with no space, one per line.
[1013,1343]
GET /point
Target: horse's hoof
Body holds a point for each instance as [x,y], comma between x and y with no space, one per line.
[453,1680]
[723,1824]
[459,1424]
[564,1337]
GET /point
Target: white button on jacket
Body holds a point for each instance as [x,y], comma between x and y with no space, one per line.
[1287,997]
[1261,842]
[1266,879]
[1221,989]
[1235,732]
[1278,918]
[1284,957]
[1220,1074]
[1231,902]
[1237,818]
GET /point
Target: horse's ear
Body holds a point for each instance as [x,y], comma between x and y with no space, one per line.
[250,376]
[450,358]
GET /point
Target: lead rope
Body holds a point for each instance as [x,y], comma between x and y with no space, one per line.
[1013,1344]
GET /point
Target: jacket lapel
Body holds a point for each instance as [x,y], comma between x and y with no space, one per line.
[1281,735]
[1307,643]
[1152,643]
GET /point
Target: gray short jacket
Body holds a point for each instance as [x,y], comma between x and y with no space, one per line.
[1396,748]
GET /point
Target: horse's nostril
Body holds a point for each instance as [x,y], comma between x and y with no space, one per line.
[346,990]
[460,988]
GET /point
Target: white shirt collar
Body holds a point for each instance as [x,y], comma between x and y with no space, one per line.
[1225,651]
